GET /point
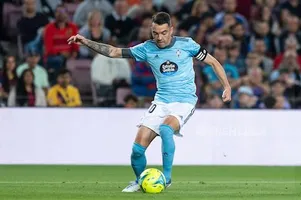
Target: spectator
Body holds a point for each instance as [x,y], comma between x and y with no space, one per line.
[240,36]
[133,2]
[200,8]
[270,102]
[230,7]
[184,9]
[108,74]
[203,29]
[282,103]
[222,37]
[284,15]
[63,94]
[293,6]
[252,61]
[245,99]
[80,16]
[26,94]
[105,70]
[255,79]
[143,80]
[260,50]
[30,22]
[146,6]
[56,34]
[145,25]
[174,6]
[278,88]
[292,88]
[292,31]
[131,101]
[40,74]
[289,63]
[262,31]
[47,7]
[9,78]
[94,30]
[214,102]
[118,23]
[235,59]
[291,47]
[231,71]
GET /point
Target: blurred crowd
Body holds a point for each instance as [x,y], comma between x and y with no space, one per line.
[258,42]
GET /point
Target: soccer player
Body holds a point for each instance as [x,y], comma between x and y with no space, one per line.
[171,60]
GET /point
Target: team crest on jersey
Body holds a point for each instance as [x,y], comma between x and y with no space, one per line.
[168,68]
[178,53]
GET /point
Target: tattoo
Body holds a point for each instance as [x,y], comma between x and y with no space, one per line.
[126,53]
[100,48]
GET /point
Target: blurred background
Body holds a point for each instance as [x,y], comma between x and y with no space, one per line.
[258,42]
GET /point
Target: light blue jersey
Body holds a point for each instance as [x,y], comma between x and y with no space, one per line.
[172,67]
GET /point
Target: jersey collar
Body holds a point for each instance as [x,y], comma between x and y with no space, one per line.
[172,42]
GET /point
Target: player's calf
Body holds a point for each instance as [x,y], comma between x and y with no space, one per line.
[138,159]
[168,149]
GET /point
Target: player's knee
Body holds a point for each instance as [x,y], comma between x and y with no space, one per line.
[138,150]
[166,131]
[172,121]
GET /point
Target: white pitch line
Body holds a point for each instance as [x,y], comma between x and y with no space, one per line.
[176,182]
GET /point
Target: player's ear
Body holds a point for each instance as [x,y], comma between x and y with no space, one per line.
[171,30]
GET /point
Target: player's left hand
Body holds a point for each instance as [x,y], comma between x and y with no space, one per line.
[227,95]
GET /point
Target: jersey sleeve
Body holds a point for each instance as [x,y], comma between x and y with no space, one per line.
[197,50]
[138,52]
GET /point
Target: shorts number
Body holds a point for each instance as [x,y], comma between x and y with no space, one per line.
[152,108]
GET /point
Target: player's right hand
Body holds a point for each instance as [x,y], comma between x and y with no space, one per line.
[226,95]
[76,39]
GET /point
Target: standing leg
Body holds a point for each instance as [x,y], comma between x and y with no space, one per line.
[167,129]
[143,139]
[138,160]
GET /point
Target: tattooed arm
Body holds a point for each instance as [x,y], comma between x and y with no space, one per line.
[103,49]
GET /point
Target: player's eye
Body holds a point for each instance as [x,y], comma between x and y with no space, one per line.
[164,33]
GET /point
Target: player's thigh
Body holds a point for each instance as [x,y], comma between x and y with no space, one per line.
[154,116]
[179,114]
[145,136]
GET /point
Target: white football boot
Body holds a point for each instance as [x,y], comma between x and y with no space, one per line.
[132,187]
[168,184]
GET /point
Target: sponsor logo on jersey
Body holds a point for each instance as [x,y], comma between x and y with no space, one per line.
[168,68]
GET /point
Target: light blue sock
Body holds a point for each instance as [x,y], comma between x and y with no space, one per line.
[138,159]
[168,149]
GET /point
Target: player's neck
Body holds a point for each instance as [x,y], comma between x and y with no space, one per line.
[170,43]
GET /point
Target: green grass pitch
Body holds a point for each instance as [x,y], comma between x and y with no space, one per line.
[42,182]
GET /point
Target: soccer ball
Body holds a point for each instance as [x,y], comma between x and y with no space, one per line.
[152,181]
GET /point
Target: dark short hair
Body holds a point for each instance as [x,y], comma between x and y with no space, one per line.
[162,18]
[63,72]
[276,82]
[147,16]
[129,97]
[269,102]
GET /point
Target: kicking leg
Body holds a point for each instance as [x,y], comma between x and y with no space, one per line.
[167,129]
[138,160]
